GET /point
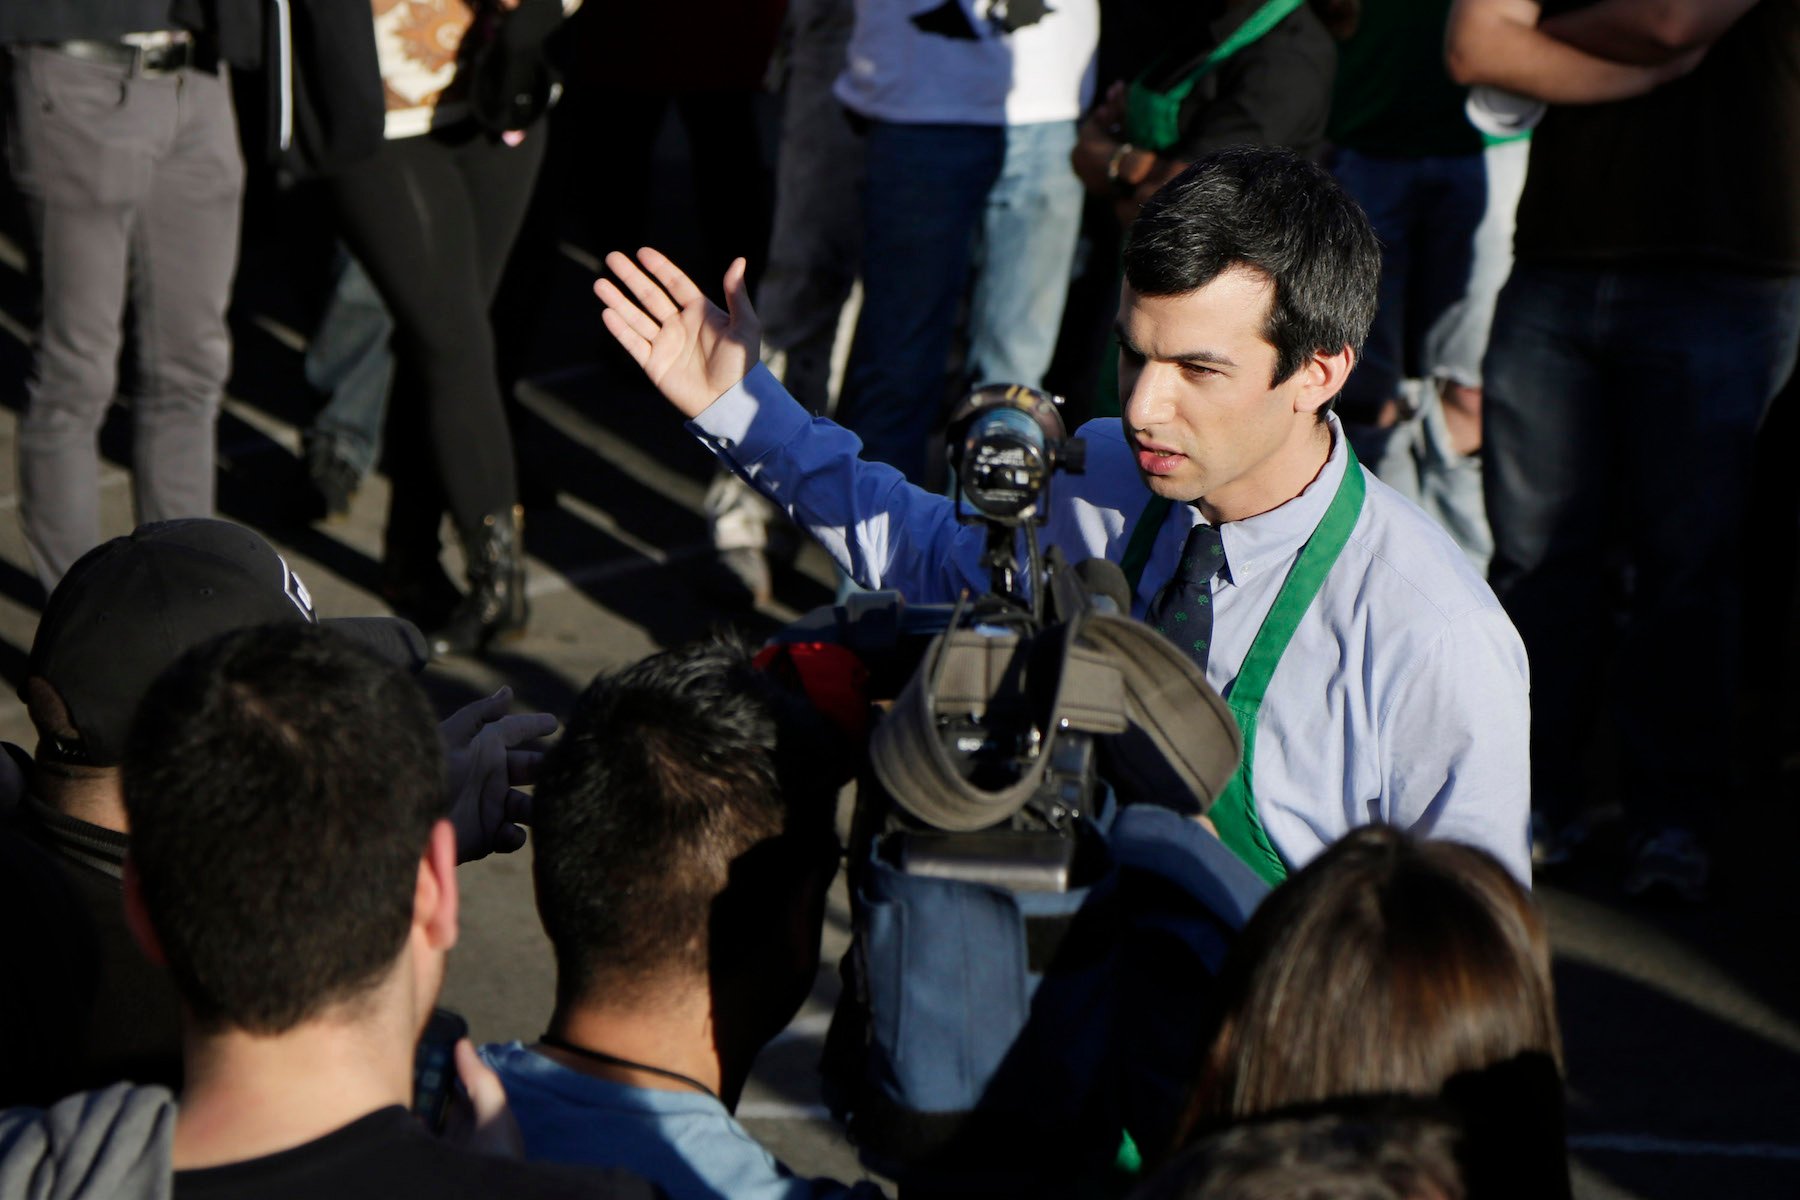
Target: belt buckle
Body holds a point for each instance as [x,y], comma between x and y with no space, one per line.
[164,56]
[156,60]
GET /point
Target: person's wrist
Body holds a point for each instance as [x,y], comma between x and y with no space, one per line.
[1117,160]
[1120,184]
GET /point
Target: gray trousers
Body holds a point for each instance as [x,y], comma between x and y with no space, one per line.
[134,188]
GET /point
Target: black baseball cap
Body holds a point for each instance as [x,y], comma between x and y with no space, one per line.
[130,607]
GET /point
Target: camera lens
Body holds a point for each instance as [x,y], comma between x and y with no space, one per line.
[1005,462]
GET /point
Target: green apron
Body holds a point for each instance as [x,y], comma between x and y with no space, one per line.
[1234,814]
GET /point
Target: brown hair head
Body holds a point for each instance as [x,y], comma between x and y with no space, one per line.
[1387,965]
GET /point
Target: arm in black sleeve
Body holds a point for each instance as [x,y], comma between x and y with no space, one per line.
[1274,92]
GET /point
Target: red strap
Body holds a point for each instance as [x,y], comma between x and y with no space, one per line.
[834,680]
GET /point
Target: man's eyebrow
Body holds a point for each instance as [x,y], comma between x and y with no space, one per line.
[1211,358]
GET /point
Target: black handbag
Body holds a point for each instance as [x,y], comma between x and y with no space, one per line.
[512,82]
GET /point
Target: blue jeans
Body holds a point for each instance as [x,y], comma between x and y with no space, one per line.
[940,202]
[1025,256]
[1620,414]
[349,362]
[1425,211]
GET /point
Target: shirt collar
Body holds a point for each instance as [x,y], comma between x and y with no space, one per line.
[1269,539]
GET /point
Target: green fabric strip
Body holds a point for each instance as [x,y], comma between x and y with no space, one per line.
[1235,816]
[1153,119]
[1143,539]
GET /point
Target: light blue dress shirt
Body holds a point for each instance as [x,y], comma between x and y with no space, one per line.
[1403,697]
[685,1143]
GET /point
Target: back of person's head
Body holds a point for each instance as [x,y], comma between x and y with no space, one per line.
[1268,209]
[678,823]
[1387,965]
[282,784]
[1392,1151]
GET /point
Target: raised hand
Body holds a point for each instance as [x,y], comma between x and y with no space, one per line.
[691,351]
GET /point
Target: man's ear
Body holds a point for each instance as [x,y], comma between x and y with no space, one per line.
[435,898]
[1321,377]
[137,917]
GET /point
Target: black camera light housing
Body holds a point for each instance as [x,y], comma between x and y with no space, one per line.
[1004,442]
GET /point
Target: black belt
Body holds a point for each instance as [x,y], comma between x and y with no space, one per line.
[142,60]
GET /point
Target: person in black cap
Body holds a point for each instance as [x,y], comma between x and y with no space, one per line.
[86,1008]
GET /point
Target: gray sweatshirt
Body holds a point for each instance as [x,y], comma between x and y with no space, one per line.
[114,1142]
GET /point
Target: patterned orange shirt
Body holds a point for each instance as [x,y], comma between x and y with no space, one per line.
[420,44]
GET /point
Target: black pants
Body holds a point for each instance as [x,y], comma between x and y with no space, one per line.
[432,218]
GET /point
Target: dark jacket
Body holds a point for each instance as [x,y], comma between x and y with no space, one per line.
[91,20]
[322,99]
[1274,92]
[80,1006]
[335,110]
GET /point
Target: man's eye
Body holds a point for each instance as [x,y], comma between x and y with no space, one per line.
[1196,371]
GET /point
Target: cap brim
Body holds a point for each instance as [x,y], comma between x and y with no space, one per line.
[393,638]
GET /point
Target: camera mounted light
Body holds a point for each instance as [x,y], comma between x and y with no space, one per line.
[1005,441]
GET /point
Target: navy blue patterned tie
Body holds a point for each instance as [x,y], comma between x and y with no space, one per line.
[1182,610]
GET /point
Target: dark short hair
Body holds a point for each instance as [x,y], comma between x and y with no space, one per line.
[1389,964]
[670,771]
[281,784]
[1394,1150]
[1266,208]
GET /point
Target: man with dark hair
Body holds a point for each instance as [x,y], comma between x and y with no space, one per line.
[300,884]
[1250,283]
[685,844]
[96,1010]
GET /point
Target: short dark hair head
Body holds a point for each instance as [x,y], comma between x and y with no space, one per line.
[1389,964]
[281,784]
[1266,208]
[669,773]
[1395,1149]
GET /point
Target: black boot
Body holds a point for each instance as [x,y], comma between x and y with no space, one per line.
[495,605]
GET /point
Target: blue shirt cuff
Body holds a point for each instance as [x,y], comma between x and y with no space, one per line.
[753,418]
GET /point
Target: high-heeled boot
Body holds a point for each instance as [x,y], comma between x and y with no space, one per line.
[494,606]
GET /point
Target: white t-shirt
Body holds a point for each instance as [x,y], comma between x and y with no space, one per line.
[1042,72]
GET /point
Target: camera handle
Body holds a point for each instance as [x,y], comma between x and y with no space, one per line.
[1002,562]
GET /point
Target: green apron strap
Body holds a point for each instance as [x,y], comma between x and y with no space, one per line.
[1234,815]
[1153,119]
[1143,538]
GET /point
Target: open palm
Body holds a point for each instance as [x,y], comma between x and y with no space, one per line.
[691,351]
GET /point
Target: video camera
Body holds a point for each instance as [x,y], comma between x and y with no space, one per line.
[972,1048]
[973,776]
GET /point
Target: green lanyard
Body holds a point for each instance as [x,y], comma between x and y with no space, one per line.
[1153,119]
[1234,814]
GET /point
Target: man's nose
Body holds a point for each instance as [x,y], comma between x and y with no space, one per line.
[1149,395]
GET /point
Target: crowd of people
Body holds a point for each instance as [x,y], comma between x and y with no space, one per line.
[1395,326]
[235,901]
